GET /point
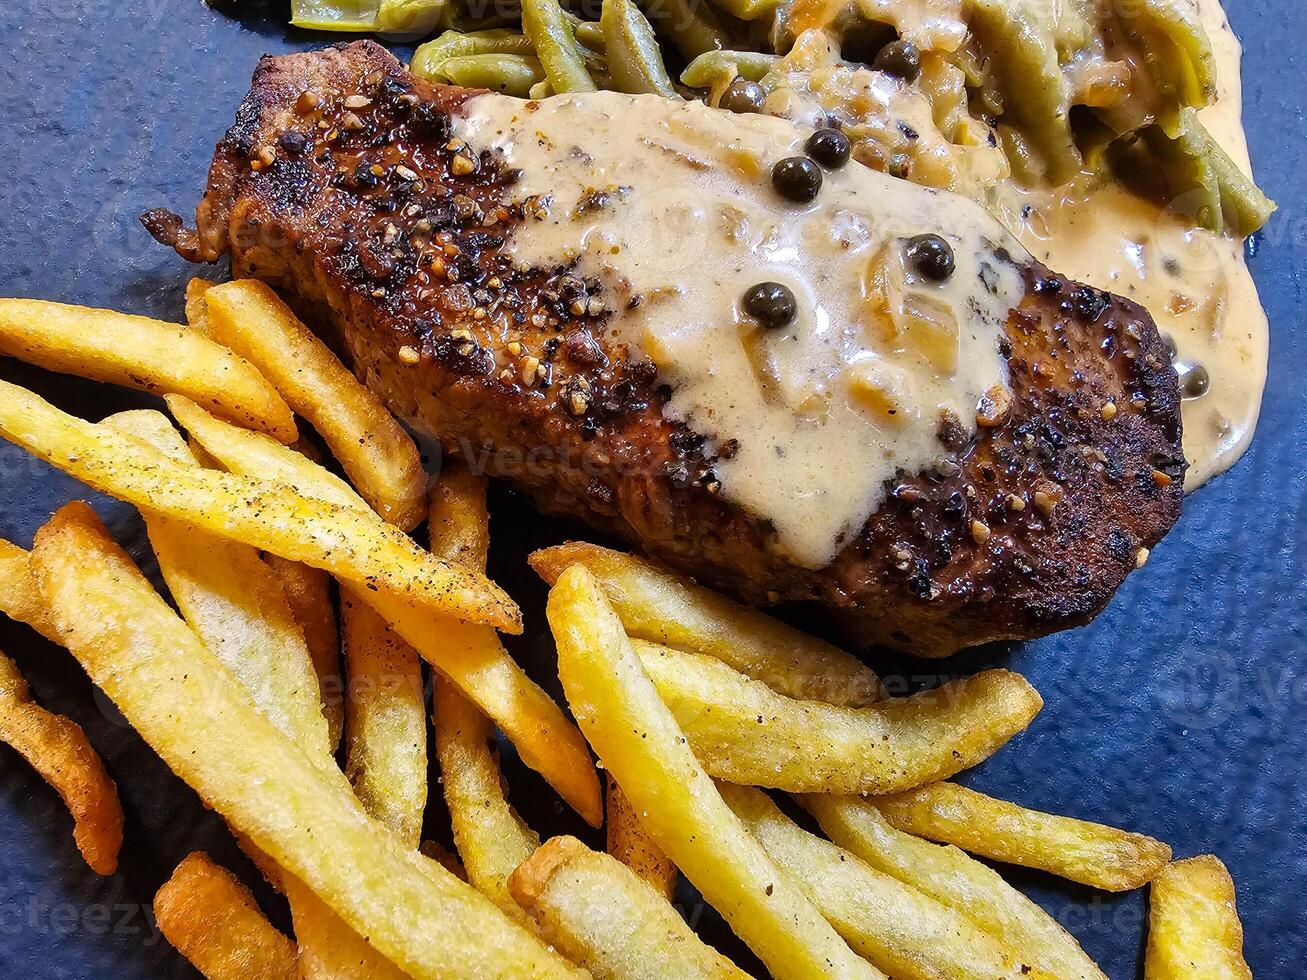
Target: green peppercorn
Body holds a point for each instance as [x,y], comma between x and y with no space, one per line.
[931,257]
[742,95]
[829,147]
[772,304]
[899,58]
[797,178]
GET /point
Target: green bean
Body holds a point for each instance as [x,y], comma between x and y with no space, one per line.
[1215,192]
[334,15]
[590,35]
[1176,49]
[511,74]
[748,9]
[690,25]
[710,67]
[555,45]
[1023,54]
[415,17]
[456,44]
[634,61]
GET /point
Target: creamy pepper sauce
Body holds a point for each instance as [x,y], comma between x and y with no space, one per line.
[671,205]
[1195,283]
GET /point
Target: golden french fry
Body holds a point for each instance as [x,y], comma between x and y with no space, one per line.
[150,355]
[663,607]
[308,590]
[212,920]
[254,455]
[640,743]
[1193,924]
[901,930]
[357,547]
[386,721]
[743,731]
[204,725]
[472,658]
[328,948]
[953,878]
[443,856]
[19,599]
[375,451]
[631,844]
[197,308]
[607,919]
[491,838]
[1090,853]
[458,528]
[57,748]
[234,603]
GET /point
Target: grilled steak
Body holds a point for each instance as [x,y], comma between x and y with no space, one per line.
[340,185]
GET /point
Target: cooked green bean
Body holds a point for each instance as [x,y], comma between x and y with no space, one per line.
[415,17]
[1176,49]
[457,44]
[511,74]
[748,9]
[634,61]
[334,15]
[1215,192]
[710,67]
[590,35]
[690,25]
[546,25]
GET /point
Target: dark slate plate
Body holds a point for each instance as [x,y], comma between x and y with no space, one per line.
[1182,711]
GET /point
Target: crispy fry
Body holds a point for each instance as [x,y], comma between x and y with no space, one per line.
[662,607]
[472,658]
[150,355]
[458,523]
[950,876]
[375,451]
[308,590]
[56,747]
[902,931]
[491,838]
[743,731]
[443,856]
[328,948]
[19,599]
[1092,854]
[610,921]
[188,707]
[640,743]
[358,548]
[631,844]
[197,308]
[234,603]
[386,721]
[212,920]
[1194,929]
[254,455]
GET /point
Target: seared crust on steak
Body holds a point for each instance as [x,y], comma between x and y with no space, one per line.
[348,200]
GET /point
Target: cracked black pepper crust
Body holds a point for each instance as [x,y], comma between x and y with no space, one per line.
[340,185]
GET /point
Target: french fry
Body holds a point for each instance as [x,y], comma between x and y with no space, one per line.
[19,599]
[1193,924]
[308,590]
[57,748]
[234,603]
[640,743]
[472,658]
[255,455]
[197,308]
[1090,853]
[386,721]
[610,921]
[458,522]
[631,844]
[328,948]
[902,931]
[953,878]
[212,920]
[356,547]
[446,858]
[744,732]
[491,838]
[146,354]
[380,458]
[190,709]
[662,607]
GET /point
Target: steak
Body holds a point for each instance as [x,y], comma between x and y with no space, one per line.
[339,185]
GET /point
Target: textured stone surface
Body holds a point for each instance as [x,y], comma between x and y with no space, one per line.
[1181,712]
